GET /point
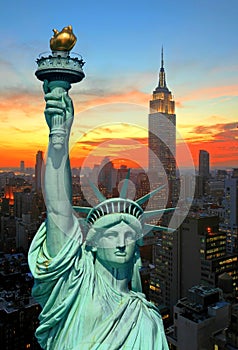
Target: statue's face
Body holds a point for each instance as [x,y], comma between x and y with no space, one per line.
[117,245]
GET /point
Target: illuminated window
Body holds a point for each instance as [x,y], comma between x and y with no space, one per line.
[209,230]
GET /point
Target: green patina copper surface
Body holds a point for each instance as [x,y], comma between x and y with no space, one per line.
[89,290]
[83,308]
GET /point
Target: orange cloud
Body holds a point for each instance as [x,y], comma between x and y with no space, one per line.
[220,156]
[136,97]
[23,127]
[210,93]
[114,141]
[220,140]
[217,132]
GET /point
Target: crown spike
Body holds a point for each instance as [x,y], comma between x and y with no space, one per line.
[149,195]
[123,192]
[96,191]
[152,213]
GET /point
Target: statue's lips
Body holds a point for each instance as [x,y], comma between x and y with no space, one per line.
[120,253]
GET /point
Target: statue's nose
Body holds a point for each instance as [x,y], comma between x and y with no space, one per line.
[121,248]
[121,244]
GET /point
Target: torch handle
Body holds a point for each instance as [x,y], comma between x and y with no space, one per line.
[58,128]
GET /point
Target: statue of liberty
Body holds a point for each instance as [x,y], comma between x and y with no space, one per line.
[89,289]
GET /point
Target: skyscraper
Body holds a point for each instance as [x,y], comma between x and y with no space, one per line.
[204,164]
[202,186]
[106,176]
[162,135]
[230,223]
[38,166]
[162,167]
[22,166]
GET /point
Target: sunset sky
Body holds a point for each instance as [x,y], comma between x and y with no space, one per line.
[121,41]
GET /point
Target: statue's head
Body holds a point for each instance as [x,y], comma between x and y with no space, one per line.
[115,243]
[116,228]
[112,212]
[117,225]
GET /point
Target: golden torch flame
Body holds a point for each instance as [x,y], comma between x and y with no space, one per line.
[64,40]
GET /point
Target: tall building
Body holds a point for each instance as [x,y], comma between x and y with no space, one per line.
[162,136]
[25,231]
[164,281]
[122,173]
[38,167]
[204,164]
[230,224]
[22,166]
[162,169]
[22,202]
[194,247]
[203,245]
[202,186]
[8,233]
[106,177]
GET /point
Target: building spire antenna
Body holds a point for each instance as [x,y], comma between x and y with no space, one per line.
[162,81]
[162,57]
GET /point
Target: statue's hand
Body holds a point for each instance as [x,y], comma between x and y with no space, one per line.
[59,111]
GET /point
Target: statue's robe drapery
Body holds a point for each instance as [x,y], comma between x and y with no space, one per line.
[80,311]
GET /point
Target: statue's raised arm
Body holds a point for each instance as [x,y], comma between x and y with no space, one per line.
[61,222]
[58,71]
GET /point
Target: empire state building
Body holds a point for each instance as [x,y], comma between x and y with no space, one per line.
[164,278]
[162,136]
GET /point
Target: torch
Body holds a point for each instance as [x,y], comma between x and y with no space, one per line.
[60,69]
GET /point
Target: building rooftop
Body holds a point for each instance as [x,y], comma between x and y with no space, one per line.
[201,302]
[11,301]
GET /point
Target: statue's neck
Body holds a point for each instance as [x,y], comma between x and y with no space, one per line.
[117,277]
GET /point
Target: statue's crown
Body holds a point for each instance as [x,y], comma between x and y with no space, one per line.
[123,205]
[115,206]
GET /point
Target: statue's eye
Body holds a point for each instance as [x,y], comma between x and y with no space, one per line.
[130,236]
[111,234]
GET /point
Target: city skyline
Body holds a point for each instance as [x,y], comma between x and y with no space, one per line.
[121,45]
